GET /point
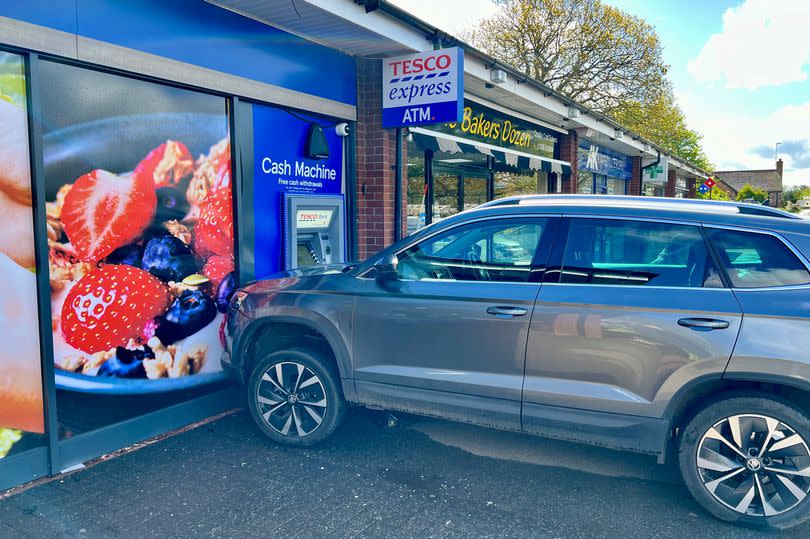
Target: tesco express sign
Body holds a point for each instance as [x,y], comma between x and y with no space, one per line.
[423,88]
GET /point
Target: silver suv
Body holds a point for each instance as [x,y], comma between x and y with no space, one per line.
[676,328]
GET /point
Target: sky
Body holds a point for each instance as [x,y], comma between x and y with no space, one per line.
[740,70]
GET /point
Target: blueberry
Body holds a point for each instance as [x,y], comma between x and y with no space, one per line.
[189,313]
[168,258]
[126,363]
[130,255]
[171,204]
[225,292]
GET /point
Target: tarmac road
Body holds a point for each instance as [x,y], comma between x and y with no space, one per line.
[418,478]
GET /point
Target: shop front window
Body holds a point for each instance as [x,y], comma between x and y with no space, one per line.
[584,182]
[416,191]
[138,289]
[22,422]
[600,184]
[509,184]
[654,190]
[475,192]
[616,186]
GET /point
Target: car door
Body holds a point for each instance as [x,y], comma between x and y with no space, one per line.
[448,337]
[629,312]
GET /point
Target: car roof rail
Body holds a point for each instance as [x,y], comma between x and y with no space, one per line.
[707,205]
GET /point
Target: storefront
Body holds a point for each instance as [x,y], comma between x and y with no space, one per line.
[143,179]
[489,154]
[602,171]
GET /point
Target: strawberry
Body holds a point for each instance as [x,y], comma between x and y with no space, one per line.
[213,233]
[104,211]
[167,165]
[222,180]
[111,305]
[216,268]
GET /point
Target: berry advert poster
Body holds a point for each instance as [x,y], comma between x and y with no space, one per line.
[141,242]
[21,413]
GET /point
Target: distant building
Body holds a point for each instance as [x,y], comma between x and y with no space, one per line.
[770,181]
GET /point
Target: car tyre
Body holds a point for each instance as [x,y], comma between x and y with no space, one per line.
[295,397]
[727,453]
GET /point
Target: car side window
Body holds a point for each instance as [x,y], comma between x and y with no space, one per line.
[637,253]
[755,260]
[500,250]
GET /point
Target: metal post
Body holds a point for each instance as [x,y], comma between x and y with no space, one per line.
[491,178]
[460,192]
[429,186]
[41,255]
[351,191]
[398,187]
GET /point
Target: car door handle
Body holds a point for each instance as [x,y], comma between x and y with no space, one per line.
[506,312]
[703,324]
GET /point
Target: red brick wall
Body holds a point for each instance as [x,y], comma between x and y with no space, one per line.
[634,185]
[669,188]
[376,157]
[569,151]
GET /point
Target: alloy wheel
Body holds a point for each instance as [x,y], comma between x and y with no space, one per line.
[754,464]
[291,399]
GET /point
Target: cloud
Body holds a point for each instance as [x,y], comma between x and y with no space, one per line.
[797,151]
[746,141]
[762,43]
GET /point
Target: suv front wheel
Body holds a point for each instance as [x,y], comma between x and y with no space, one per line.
[295,397]
[746,459]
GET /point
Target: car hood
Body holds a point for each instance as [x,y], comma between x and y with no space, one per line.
[323,269]
[300,278]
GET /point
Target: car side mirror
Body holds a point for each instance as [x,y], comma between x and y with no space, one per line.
[386,269]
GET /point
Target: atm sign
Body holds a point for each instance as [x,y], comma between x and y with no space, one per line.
[423,88]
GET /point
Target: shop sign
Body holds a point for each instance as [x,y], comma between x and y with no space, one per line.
[657,173]
[423,88]
[599,160]
[483,124]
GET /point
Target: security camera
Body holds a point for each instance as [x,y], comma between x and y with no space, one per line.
[342,129]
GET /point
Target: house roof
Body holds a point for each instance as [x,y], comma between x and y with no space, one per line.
[767,180]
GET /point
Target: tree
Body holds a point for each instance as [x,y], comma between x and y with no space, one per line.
[662,121]
[794,193]
[596,54]
[716,194]
[749,192]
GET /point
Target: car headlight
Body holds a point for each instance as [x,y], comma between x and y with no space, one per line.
[238,297]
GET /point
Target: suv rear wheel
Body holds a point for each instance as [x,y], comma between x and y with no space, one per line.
[746,459]
[295,397]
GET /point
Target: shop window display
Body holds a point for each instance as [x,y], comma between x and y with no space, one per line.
[21,410]
[141,242]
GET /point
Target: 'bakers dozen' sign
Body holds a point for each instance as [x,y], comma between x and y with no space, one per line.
[423,88]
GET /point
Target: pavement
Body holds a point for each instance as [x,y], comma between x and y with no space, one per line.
[377,477]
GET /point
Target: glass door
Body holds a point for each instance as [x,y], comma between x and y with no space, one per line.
[456,190]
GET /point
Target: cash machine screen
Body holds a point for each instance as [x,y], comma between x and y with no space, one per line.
[314,238]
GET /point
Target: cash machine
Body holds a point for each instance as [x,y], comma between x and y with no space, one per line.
[314,230]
